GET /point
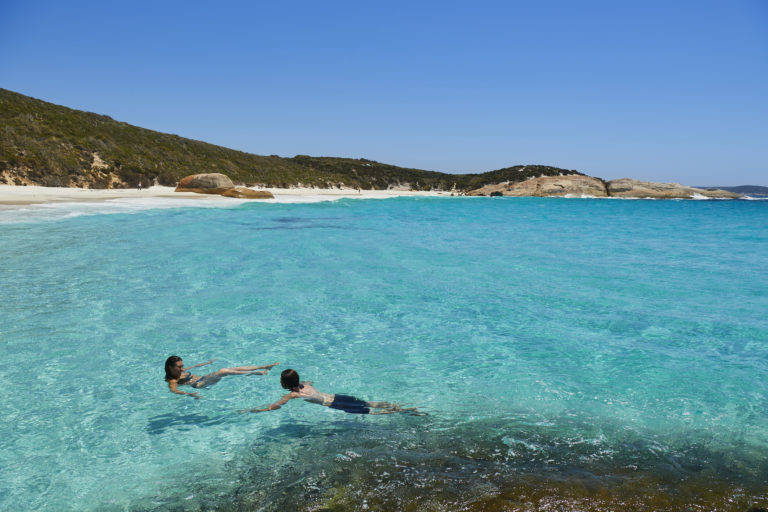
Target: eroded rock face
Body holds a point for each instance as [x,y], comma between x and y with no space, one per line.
[212,183]
[627,187]
[547,186]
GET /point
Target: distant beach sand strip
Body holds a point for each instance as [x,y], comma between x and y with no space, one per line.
[26,195]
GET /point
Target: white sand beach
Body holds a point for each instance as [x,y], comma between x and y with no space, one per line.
[26,195]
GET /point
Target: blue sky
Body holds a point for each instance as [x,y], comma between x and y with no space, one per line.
[661,91]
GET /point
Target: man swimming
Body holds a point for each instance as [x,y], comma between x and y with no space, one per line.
[289,379]
[176,375]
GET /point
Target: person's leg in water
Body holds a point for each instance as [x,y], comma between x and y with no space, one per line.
[388,408]
[354,405]
[212,378]
[251,368]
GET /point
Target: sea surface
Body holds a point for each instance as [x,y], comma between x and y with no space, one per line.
[567,354]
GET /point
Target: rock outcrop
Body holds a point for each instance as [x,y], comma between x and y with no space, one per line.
[212,183]
[217,183]
[559,186]
[627,187]
[546,186]
[247,193]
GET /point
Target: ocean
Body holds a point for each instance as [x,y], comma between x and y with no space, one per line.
[567,354]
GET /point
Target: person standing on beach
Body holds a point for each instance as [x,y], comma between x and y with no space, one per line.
[289,379]
[176,375]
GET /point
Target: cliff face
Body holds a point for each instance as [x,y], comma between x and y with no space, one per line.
[576,186]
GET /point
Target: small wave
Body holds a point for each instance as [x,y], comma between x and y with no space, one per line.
[66,210]
[700,197]
[55,210]
[581,196]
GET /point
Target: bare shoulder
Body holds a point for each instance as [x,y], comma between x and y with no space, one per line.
[289,396]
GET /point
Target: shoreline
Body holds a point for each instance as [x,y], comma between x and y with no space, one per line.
[11,195]
[16,196]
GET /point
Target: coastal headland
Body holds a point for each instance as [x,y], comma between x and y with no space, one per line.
[558,186]
[61,154]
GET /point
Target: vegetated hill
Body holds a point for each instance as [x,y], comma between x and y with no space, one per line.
[50,145]
[747,190]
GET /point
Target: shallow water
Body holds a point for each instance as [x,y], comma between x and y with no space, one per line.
[571,354]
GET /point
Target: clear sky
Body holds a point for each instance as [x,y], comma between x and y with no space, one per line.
[653,90]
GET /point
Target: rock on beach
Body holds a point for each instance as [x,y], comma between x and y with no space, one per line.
[221,184]
[247,193]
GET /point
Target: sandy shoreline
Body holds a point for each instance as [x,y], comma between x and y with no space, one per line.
[26,195]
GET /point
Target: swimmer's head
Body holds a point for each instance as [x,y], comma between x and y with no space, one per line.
[289,379]
[170,364]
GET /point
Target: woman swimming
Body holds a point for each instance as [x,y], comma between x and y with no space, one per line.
[289,379]
[176,375]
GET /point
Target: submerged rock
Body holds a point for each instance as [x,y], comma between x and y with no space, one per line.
[217,183]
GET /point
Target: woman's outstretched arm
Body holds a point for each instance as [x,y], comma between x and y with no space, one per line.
[198,365]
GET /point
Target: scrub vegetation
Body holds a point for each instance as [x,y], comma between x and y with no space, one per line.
[51,145]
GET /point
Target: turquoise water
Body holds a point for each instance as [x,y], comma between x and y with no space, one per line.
[583,347]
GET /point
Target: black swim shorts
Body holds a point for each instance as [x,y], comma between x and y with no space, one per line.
[349,404]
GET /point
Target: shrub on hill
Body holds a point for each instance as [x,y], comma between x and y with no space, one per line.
[51,145]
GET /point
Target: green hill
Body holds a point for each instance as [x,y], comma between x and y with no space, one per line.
[50,145]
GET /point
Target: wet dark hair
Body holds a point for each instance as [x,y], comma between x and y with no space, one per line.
[170,363]
[289,379]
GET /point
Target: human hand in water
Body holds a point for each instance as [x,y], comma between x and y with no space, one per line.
[195,396]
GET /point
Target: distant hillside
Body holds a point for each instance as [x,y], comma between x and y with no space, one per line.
[50,145]
[747,190]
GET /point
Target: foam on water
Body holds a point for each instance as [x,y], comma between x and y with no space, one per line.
[583,345]
[10,214]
